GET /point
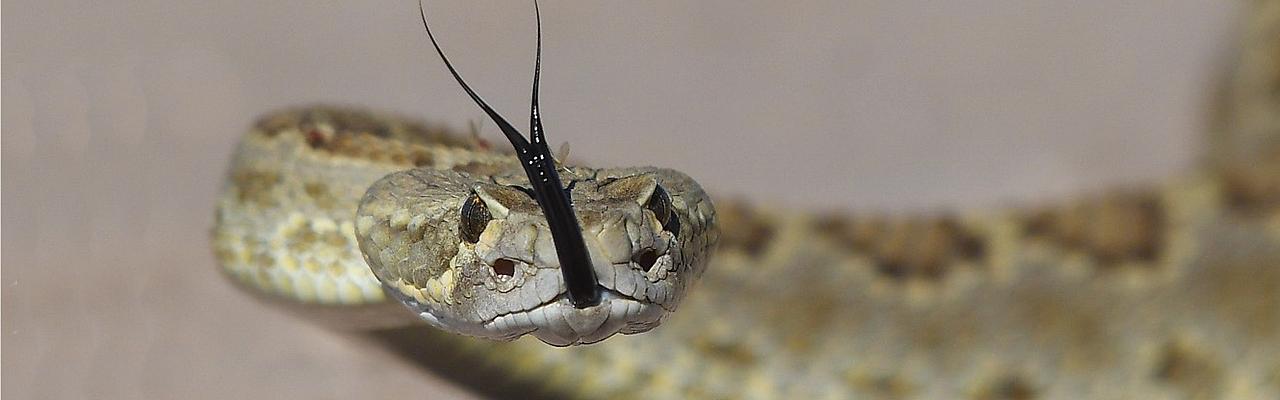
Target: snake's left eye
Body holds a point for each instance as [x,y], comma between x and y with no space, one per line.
[660,204]
[475,217]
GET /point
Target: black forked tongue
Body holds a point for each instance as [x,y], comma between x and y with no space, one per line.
[540,167]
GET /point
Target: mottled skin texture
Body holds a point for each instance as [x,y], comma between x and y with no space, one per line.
[1168,291]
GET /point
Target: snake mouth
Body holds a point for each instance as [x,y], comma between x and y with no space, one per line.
[559,322]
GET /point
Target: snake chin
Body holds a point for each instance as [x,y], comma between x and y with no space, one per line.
[559,323]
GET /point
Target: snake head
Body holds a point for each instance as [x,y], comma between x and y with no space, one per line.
[525,252]
[474,254]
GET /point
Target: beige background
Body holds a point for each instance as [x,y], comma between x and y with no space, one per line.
[118,120]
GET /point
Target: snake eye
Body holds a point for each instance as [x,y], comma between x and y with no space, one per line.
[660,204]
[475,217]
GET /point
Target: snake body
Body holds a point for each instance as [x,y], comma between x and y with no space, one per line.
[1168,291]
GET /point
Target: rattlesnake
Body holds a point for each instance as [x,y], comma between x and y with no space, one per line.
[1169,291]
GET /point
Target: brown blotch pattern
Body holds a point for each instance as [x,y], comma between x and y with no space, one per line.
[903,250]
[1195,373]
[1008,387]
[1114,230]
[729,352]
[361,134]
[305,240]
[320,194]
[255,186]
[742,229]
[353,120]
[363,145]
[1253,190]
[882,386]
[481,168]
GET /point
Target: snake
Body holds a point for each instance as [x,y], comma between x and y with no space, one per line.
[440,248]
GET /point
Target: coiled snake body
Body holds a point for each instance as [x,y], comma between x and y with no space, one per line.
[1172,291]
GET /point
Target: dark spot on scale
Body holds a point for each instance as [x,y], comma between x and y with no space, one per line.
[743,229]
[880,386]
[420,158]
[1254,189]
[1009,387]
[732,353]
[320,194]
[1190,370]
[315,138]
[967,244]
[256,186]
[479,168]
[893,269]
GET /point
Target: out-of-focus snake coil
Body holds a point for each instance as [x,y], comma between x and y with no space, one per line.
[1165,291]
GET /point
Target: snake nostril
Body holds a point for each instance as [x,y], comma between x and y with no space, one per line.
[645,259]
[504,267]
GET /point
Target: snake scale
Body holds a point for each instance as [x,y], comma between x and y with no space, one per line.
[1167,291]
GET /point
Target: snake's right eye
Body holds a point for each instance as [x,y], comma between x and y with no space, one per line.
[475,217]
[660,204]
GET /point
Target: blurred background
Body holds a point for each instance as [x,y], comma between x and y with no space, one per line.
[119,119]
